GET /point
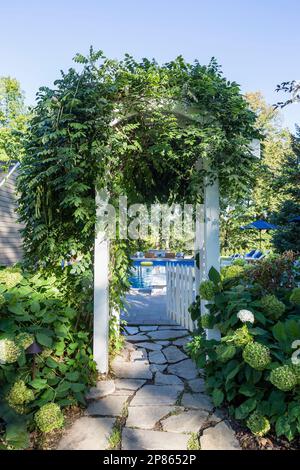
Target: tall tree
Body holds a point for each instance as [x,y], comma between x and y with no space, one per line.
[287,237]
[13,120]
[262,198]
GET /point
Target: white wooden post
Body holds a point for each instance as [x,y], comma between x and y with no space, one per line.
[212,252]
[207,239]
[101,297]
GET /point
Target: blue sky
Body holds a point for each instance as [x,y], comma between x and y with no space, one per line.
[257,42]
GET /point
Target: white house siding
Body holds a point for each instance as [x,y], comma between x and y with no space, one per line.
[10,238]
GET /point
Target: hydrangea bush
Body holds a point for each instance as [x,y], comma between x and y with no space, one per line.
[49,417]
[254,369]
[36,309]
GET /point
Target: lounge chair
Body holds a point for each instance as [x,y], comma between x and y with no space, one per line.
[257,255]
[250,254]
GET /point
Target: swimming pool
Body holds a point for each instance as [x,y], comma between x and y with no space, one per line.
[155,275]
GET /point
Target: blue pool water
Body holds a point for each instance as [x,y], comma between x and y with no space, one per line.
[155,275]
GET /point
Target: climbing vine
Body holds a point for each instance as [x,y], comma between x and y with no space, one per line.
[134,128]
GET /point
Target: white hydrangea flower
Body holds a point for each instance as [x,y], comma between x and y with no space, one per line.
[245,316]
[9,351]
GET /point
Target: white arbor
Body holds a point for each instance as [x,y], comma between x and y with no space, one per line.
[207,244]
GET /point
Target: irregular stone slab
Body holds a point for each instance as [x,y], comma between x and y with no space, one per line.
[182,341]
[131,330]
[188,421]
[151,346]
[102,389]
[197,385]
[138,355]
[148,328]
[87,434]
[137,338]
[197,401]
[185,369]
[156,395]
[158,367]
[167,379]
[129,384]
[147,417]
[173,354]
[163,343]
[156,357]
[132,370]
[220,437]
[172,327]
[167,334]
[138,439]
[109,406]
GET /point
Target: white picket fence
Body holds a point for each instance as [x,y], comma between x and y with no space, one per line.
[180,281]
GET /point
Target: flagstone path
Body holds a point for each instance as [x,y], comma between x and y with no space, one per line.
[156,400]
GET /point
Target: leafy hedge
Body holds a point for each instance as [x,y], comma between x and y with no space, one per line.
[34,310]
[251,369]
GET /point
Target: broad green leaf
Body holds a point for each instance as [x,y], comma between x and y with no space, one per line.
[217,396]
[51,363]
[243,411]
[225,352]
[72,376]
[77,387]
[248,390]
[44,340]
[214,276]
[17,436]
[38,384]
[17,309]
[283,427]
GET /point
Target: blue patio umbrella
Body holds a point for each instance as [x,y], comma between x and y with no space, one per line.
[259,225]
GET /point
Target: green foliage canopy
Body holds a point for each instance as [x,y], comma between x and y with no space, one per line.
[135,128]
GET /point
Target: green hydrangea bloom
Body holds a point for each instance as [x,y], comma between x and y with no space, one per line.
[257,355]
[295,296]
[240,337]
[9,351]
[19,395]
[207,290]
[258,424]
[232,272]
[284,378]
[272,307]
[10,279]
[49,417]
[24,340]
